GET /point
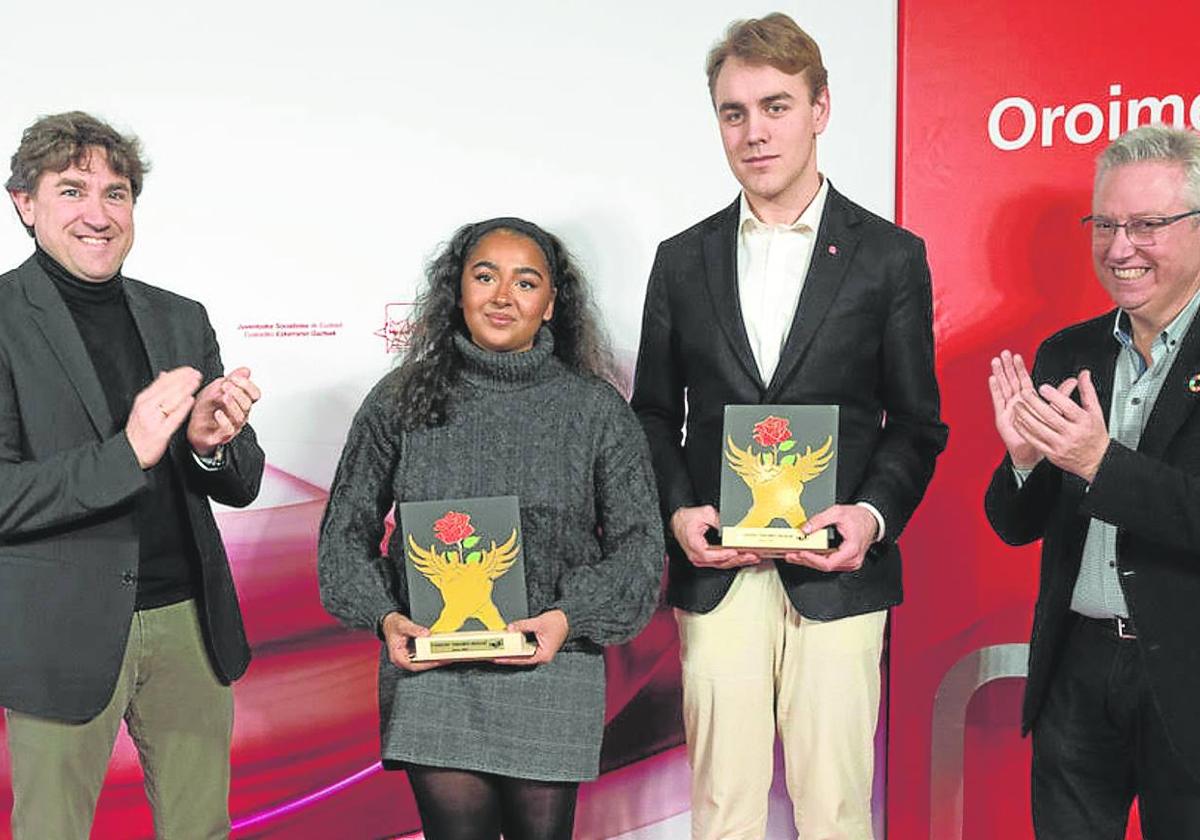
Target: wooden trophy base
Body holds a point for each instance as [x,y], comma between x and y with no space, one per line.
[471,644]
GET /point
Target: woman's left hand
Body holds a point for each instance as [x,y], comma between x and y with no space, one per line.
[550,630]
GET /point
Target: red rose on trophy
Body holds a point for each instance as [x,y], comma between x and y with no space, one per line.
[772,431]
[453,528]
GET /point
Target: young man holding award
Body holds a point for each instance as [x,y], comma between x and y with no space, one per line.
[817,302]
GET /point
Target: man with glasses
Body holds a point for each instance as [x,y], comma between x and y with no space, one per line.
[1103,465]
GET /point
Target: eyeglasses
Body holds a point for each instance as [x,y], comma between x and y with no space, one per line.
[1141,230]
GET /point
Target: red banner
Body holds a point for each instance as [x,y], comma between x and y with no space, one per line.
[1003,109]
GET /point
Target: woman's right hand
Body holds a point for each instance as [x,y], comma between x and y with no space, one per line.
[397,631]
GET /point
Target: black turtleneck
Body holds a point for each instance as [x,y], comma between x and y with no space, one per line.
[165,568]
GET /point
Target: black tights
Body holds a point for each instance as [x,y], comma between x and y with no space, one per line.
[465,805]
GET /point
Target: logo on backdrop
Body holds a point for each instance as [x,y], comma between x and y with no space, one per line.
[397,327]
[1015,122]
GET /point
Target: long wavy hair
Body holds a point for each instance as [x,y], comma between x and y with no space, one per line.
[432,365]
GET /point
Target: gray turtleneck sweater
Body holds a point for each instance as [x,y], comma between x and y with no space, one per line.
[571,450]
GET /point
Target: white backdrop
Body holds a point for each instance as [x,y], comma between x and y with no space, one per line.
[308,160]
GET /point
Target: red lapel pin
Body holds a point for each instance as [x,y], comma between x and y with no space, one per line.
[833,250]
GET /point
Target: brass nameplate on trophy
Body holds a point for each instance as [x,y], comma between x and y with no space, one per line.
[466,577]
[781,539]
[778,465]
[471,644]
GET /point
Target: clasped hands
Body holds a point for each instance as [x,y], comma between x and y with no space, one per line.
[856,525]
[549,629]
[1044,422]
[214,416]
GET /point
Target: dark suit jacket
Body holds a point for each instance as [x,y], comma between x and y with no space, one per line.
[862,338]
[1152,496]
[68,564]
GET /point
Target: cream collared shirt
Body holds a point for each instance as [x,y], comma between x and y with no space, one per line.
[772,263]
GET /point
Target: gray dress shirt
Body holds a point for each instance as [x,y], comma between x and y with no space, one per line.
[1136,385]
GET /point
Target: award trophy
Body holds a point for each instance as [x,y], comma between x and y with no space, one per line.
[466,577]
[778,463]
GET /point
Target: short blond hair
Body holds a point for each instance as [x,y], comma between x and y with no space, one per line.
[775,40]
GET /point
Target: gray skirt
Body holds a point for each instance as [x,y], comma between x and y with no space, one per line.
[543,723]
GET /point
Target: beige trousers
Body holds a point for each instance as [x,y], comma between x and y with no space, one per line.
[754,666]
[180,718]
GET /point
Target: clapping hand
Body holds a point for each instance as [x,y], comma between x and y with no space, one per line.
[1072,437]
[1044,422]
[221,410]
[158,411]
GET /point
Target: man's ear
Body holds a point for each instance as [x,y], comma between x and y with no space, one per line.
[23,201]
[820,106]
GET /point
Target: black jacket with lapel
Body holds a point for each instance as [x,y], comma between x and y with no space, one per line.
[1152,495]
[861,338]
[68,559]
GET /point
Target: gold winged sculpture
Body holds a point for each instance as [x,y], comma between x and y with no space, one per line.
[466,588]
[775,487]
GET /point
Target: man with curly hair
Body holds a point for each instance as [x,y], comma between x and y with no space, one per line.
[117,425]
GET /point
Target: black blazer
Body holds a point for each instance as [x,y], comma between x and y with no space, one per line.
[1152,496]
[862,338]
[67,567]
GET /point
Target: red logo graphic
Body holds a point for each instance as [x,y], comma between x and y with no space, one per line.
[397,327]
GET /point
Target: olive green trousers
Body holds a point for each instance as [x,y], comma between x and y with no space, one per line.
[180,718]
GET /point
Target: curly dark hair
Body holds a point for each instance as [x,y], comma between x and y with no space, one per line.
[432,365]
[55,142]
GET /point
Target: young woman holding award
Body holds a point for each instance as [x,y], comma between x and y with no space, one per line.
[501,393]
